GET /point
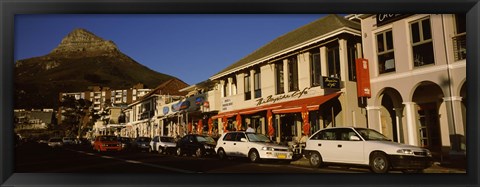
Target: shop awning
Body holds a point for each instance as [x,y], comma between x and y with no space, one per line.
[292,106]
[312,103]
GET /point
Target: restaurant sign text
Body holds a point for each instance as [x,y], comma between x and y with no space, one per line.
[273,99]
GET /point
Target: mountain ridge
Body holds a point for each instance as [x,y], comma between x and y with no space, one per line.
[81,60]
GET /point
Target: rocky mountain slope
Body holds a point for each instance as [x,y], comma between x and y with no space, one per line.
[82,59]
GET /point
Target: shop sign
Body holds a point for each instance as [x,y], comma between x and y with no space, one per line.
[176,107]
[165,110]
[185,105]
[227,104]
[383,19]
[199,100]
[330,82]
[363,78]
[272,99]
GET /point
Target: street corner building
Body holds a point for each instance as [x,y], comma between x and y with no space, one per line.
[417,66]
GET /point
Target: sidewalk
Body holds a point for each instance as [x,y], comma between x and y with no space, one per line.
[437,167]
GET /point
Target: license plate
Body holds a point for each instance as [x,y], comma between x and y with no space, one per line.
[281,156]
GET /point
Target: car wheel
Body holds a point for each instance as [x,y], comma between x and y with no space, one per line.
[160,150]
[221,154]
[315,159]
[253,156]
[379,163]
[179,151]
[199,152]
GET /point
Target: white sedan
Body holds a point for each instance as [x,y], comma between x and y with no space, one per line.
[252,145]
[162,144]
[364,147]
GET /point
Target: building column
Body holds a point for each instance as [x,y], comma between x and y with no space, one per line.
[285,76]
[323,61]
[411,112]
[455,123]
[240,83]
[373,117]
[398,119]
[222,88]
[220,125]
[252,82]
[343,53]
[304,80]
[230,80]
[358,46]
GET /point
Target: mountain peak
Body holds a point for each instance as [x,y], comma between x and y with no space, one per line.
[80,41]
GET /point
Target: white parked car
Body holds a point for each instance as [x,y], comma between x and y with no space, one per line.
[55,142]
[162,144]
[364,147]
[252,145]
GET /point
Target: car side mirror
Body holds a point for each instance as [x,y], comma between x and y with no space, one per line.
[243,139]
[354,138]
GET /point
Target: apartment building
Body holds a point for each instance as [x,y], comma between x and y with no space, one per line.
[103,97]
[417,67]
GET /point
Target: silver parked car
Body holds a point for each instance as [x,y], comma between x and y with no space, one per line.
[162,144]
[55,142]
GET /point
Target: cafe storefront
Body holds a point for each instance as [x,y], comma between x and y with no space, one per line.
[297,84]
[285,118]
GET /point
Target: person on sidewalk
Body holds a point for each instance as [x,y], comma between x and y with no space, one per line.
[250,129]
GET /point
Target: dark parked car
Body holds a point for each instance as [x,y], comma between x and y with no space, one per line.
[126,142]
[141,143]
[194,144]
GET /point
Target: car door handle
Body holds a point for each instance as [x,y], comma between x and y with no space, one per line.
[234,143]
[223,143]
[339,145]
[319,144]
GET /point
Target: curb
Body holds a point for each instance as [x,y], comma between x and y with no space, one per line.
[435,168]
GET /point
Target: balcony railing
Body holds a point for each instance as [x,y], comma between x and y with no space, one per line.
[460,46]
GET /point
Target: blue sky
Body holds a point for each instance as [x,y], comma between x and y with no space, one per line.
[191,47]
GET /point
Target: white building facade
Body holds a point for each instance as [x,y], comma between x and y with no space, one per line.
[417,72]
[278,88]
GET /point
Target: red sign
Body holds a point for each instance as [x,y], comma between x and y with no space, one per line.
[363,78]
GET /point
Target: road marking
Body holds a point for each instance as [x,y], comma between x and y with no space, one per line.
[139,162]
[133,161]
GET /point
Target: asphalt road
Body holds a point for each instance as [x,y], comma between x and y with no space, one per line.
[39,158]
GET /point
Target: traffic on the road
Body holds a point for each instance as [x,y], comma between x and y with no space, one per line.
[346,150]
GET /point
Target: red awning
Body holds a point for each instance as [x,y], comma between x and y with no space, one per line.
[312,103]
[292,106]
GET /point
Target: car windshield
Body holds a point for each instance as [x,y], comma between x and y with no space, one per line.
[108,138]
[143,139]
[370,134]
[167,139]
[254,137]
[205,139]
